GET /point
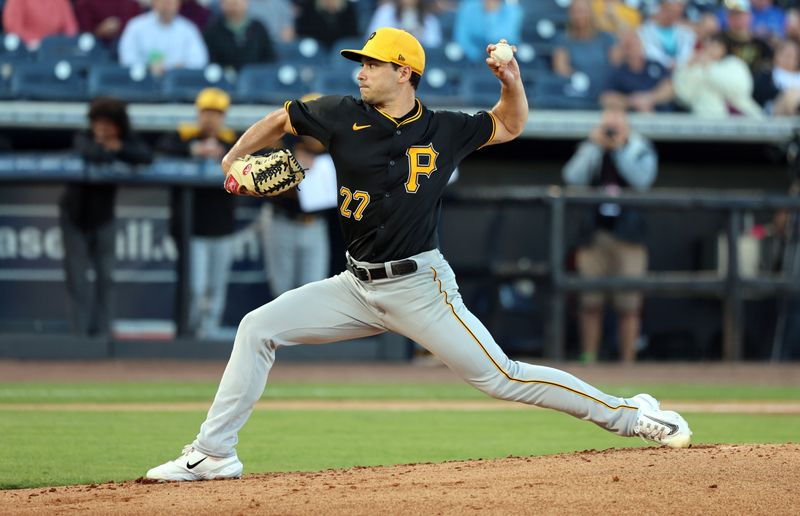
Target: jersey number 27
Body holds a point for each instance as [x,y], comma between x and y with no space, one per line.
[421,161]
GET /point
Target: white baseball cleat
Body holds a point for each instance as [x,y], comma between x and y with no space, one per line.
[194,465]
[660,426]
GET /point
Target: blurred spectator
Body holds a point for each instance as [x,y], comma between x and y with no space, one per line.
[480,22]
[715,83]
[741,41]
[296,244]
[105,19]
[765,21]
[615,16]
[326,20]
[637,84]
[234,39]
[198,14]
[34,20]
[162,40]
[665,38]
[413,16]
[277,16]
[583,48]
[778,90]
[87,217]
[612,159]
[213,225]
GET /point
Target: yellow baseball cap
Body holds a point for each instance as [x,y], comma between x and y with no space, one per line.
[213,98]
[391,46]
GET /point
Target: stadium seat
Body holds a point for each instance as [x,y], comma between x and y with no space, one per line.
[12,48]
[83,49]
[551,91]
[542,8]
[542,30]
[302,52]
[449,55]
[480,90]
[439,87]
[335,58]
[133,84]
[271,83]
[42,81]
[334,82]
[182,85]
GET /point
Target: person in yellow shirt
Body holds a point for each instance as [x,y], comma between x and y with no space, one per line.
[615,16]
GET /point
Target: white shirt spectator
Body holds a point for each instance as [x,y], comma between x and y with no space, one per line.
[669,46]
[176,45]
[429,33]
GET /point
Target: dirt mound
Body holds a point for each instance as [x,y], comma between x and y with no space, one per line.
[720,479]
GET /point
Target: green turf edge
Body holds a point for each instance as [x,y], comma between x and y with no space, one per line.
[121,392]
[49,448]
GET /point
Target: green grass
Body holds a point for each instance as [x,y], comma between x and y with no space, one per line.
[58,447]
[187,392]
[43,448]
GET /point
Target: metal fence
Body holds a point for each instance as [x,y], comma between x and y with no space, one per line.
[731,288]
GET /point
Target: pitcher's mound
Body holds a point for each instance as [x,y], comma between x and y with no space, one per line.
[720,479]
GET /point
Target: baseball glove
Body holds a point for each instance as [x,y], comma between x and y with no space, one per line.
[262,176]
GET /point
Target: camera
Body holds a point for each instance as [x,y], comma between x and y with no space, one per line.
[610,132]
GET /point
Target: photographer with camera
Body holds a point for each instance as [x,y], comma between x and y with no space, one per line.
[612,159]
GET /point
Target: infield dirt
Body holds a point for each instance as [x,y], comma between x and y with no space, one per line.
[721,479]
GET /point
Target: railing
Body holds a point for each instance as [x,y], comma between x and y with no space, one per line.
[731,287]
[546,124]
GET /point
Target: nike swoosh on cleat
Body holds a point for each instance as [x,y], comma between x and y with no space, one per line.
[191,466]
[672,426]
[357,127]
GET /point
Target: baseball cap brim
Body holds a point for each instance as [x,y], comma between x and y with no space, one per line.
[357,55]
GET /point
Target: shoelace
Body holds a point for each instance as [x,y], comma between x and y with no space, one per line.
[187,450]
[651,430]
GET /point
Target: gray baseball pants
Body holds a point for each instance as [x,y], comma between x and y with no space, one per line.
[424,306]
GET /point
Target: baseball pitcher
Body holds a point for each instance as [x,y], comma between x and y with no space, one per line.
[393,158]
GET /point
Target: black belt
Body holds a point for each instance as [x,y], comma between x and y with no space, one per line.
[399,268]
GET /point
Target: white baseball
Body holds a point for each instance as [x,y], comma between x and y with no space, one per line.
[502,53]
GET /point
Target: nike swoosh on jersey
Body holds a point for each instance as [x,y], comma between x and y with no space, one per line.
[357,127]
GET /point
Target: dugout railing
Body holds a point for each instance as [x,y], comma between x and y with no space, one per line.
[731,288]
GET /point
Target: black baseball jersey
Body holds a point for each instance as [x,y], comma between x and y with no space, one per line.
[391,173]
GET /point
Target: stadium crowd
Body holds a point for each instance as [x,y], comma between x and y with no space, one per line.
[714,58]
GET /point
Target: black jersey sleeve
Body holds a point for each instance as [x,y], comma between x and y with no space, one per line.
[315,118]
[471,132]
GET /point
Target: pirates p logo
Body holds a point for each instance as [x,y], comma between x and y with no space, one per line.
[421,161]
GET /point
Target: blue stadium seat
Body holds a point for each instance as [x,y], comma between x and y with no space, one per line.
[542,30]
[13,49]
[449,55]
[182,85]
[334,82]
[551,91]
[82,49]
[302,52]
[480,89]
[130,84]
[41,81]
[335,58]
[542,8]
[439,87]
[271,83]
